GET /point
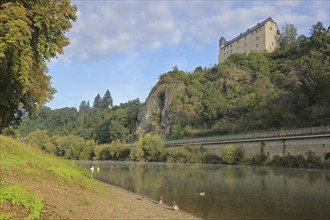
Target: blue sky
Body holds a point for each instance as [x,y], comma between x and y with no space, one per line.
[124,46]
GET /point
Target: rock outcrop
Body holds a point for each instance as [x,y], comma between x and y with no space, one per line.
[157,113]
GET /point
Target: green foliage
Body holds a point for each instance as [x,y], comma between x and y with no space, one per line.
[69,174]
[68,147]
[148,148]
[232,154]
[102,152]
[114,151]
[110,130]
[38,138]
[17,195]
[98,103]
[288,37]
[186,154]
[119,151]
[31,33]
[11,132]
[288,88]
[298,161]
[259,160]
[107,101]
[101,124]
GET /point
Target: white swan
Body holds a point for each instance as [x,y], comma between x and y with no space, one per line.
[202,194]
[175,207]
[92,169]
[161,200]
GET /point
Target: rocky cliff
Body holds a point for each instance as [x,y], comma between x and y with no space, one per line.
[157,113]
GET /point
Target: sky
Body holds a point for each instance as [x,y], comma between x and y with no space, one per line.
[125,45]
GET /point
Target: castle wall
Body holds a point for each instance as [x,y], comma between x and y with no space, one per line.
[261,38]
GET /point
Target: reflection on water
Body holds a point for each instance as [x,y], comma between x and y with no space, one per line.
[232,192]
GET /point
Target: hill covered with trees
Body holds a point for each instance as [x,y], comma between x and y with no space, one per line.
[259,91]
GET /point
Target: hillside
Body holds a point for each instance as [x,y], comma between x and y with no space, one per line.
[40,186]
[288,88]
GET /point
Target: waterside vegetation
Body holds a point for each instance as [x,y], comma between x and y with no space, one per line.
[34,185]
[151,148]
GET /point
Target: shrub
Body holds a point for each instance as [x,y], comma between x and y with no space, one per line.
[259,160]
[211,158]
[38,138]
[10,132]
[102,152]
[186,154]
[233,154]
[148,148]
[87,152]
[313,161]
[298,161]
[119,150]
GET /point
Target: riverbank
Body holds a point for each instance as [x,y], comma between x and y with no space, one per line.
[46,187]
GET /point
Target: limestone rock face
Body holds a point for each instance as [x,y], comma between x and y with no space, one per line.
[156,114]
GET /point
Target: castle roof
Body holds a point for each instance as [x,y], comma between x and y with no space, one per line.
[250,30]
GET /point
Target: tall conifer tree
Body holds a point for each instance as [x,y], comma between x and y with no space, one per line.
[107,100]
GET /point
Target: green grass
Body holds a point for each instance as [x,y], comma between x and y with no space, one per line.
[17,195]
[19,162]
[5,216]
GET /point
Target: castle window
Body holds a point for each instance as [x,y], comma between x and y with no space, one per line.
[257,45]
[237,41]
[257,38]
[272,43]
[252,32]
[270,28]
[257,31]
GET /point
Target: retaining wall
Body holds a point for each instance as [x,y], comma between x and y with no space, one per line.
[281,147]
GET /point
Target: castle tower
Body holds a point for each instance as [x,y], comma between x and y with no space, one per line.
[222,43]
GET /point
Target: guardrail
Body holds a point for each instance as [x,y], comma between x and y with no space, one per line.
[268,134]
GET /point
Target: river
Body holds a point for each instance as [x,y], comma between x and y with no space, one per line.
[231,192]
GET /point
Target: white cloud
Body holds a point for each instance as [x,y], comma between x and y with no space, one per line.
[105,28]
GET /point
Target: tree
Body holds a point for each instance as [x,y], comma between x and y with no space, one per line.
[110,130]
[97,102]
[149,148]
[107,101]
[317,29]
[288,37]
[31,33]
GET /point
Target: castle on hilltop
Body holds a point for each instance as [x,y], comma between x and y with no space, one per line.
[263,36]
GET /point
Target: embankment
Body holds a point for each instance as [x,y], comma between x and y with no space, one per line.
[40,186]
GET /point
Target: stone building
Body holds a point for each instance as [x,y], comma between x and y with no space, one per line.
[263,36]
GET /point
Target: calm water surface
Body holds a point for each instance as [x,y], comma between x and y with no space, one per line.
[232,192]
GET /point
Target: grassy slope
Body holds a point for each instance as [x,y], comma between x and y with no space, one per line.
[40,186]
[25,171]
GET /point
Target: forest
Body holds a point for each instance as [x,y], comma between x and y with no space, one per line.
[287,88]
